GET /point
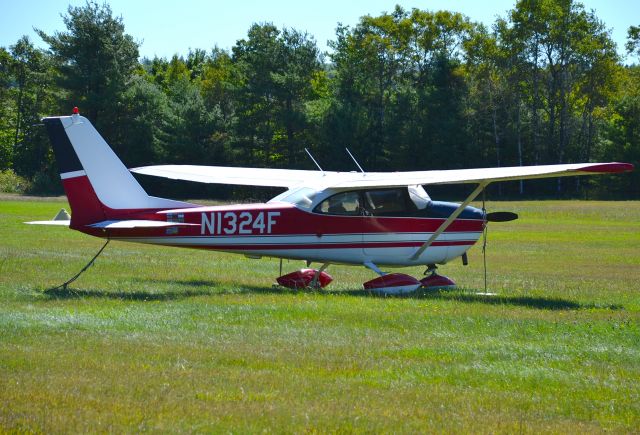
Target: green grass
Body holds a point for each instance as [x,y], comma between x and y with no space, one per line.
[163,339]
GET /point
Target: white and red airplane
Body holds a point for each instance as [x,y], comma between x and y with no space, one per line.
[372,219]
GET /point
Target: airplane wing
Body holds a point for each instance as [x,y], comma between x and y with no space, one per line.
[479,175]
[292,178]
[230,175]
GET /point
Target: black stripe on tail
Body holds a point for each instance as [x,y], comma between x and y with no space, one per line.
[66,156]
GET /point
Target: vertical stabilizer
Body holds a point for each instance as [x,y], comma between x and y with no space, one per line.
[96,182]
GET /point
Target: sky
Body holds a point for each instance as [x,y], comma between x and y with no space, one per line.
[166,28]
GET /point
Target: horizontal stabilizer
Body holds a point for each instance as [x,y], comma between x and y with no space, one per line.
[61,219]
[58,222]
[138,224]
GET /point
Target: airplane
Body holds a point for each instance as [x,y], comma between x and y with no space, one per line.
[370,219]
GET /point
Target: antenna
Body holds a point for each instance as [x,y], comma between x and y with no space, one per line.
[355,161]
[314,161]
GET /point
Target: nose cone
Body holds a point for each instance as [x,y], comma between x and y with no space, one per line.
[442,209]
[472,213]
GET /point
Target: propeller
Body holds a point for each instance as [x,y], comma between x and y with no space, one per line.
[501,216]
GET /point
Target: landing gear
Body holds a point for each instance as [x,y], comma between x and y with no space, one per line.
[433,281]
[400,283]
[306,278]
[390,283]
[386,283]
[431,269]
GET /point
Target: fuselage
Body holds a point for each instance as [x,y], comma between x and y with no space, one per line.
[313,232]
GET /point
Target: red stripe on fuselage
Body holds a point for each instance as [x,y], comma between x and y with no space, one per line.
[319,245]
[288,221]
[87,209]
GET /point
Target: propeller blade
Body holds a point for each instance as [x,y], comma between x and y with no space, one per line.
[501,216]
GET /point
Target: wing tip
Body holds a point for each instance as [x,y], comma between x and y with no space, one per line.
[611,168]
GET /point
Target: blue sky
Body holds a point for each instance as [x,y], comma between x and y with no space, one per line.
[165,28]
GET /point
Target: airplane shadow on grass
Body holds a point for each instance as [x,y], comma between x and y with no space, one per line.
[195,288]
[523,301]
[73,293]
[457,296]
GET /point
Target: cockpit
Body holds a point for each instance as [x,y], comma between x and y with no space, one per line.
[374,202]
[410,201]
[378,201]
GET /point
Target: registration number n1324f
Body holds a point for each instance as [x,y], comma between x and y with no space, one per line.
[232,222]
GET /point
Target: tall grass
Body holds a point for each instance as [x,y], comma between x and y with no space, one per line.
[162,339]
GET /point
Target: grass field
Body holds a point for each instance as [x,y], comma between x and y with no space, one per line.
[170,340]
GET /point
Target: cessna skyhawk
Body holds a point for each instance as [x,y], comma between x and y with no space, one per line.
[371,219]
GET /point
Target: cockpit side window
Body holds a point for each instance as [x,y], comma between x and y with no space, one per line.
[389,202]
[346,203]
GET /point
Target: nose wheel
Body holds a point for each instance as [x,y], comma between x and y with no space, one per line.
[433,281]
[431,269]
[399,283]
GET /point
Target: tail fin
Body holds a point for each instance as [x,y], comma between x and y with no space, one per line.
[97,184]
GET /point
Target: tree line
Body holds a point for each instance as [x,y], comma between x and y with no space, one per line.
[405,90]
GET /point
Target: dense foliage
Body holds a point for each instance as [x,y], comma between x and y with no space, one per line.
[405,90]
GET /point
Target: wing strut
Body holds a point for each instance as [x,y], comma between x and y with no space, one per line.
[450,219]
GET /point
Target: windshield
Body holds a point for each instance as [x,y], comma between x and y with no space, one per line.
[302,198]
